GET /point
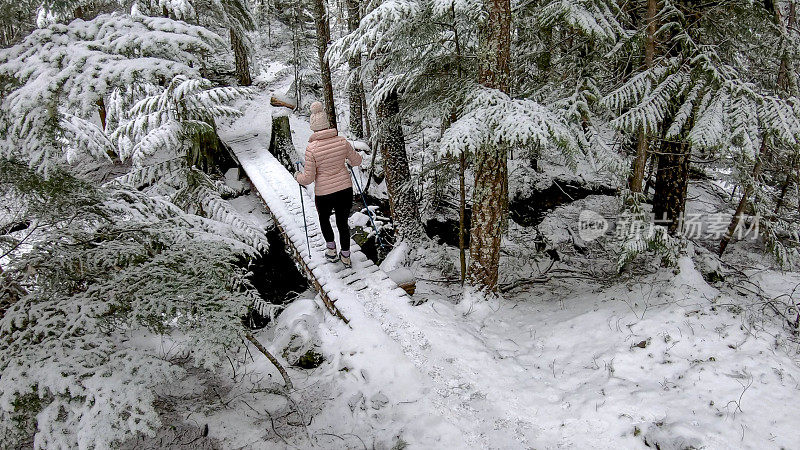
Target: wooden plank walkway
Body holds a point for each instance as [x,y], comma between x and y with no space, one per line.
[280,192]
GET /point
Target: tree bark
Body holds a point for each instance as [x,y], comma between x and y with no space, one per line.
[641,147]
[365,113]
[462,214]
[391,144]
[462,161]
[287,381]
[242,61]
[280,143]
[490,162]
[786,78]
[323,36]
[785,188]
[672,182]
[354,91]
[101,110]
[296,29]
[672,173]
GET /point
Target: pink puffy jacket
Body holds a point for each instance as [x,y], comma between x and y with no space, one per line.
[325,157]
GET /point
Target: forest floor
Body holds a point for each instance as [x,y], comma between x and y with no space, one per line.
[668,361]
[659,358]
[662,359]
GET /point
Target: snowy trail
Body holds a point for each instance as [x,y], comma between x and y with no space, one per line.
[530,374]
[456,372]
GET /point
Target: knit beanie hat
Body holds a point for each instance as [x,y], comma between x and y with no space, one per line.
[318,120]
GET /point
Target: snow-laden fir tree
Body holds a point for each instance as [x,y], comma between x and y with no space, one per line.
[430,65]
[158,250]
[61,72]
[102,266]
[699,100]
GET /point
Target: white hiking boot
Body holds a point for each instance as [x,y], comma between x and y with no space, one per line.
[346,261]
[331,255]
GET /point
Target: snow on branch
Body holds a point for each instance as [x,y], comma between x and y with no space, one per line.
[493,118]
[71,68]
[125,264]
[594,18]
[376,31]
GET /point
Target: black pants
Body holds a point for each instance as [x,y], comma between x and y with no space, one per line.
[339,202]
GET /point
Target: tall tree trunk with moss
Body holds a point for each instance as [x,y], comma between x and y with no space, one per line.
[643,142]
[672,183]
[241,58]
[354,91]
[490,162]
[323,36]
[391,144]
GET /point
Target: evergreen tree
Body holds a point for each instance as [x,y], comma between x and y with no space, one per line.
[156,250]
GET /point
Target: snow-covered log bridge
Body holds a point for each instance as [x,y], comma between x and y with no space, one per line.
[403,354]
[280,192]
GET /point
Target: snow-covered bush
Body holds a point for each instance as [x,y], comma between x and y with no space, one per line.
[57,79]
[157,250]
[102,266]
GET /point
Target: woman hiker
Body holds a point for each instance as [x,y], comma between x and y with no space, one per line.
[325,163]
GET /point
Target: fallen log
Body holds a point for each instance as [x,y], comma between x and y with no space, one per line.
[284,102]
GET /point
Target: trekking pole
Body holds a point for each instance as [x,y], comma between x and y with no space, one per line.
[369,213]
[303,206]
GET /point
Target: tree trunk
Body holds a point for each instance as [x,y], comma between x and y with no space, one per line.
[748,190]
[101,110]
[672,182]
[280,143]
[672,172]
[490,162]
[323,36]
[648,182]
[649,52]
[354,94]
[391,144]
[242,61]
[785,188]
[640,162]
[365,112]
[298,91]
[786,77]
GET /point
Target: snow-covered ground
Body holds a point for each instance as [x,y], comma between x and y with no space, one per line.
[667,361]
[662,359]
